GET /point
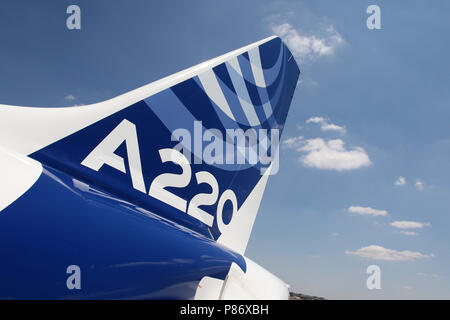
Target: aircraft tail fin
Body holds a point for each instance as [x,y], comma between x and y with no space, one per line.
[196,147]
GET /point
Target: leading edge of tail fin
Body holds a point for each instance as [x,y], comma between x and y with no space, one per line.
[195,148]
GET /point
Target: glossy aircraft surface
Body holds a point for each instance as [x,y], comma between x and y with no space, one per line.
[146,195]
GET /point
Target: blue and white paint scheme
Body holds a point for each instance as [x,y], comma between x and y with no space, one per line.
[111,188]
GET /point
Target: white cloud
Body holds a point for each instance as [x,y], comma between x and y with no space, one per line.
[315,120]
[69,97]
[325,125]
[409,224]
[292,143]
[332,155]
[335,234]
[400,181]
[419,185]
[375,252]
[308,48]
[367,211]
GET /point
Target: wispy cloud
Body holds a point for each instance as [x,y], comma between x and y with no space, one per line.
[401,181]
[69,97]
[419,184]
[375,252]
[293,142]
[368,211]
[325,125]
[409,224]
[308,48]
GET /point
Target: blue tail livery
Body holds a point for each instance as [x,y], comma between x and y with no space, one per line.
[151,194]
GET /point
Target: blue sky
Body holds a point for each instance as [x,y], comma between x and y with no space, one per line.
[385,91]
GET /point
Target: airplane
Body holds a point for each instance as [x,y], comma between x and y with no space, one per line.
[151,194]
